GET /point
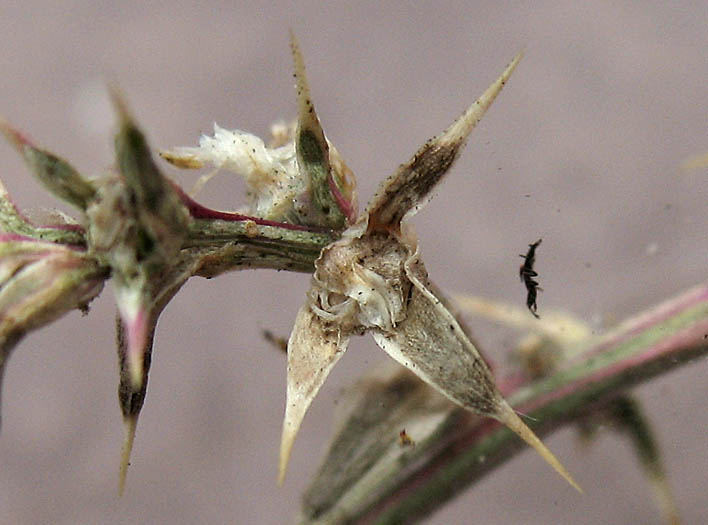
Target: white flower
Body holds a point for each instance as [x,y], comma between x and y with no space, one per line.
[299,179]
[271,174]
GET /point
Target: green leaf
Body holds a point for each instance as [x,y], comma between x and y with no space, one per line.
[313,151]
[56,174]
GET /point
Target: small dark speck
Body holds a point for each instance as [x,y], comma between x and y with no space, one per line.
[452,328]
[588,265]
[527,195]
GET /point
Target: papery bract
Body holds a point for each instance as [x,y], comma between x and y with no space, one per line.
[373,279]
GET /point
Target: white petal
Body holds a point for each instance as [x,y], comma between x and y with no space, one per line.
[273,180]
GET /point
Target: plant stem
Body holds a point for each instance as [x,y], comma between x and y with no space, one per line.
[235,245]
[669,335]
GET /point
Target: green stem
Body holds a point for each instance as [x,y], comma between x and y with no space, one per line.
[224,246]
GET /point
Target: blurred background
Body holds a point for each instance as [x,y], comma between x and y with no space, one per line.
[583,148]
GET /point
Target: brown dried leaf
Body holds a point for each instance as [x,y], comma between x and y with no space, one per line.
[407,190]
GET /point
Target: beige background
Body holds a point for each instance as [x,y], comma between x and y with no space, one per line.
[582,148]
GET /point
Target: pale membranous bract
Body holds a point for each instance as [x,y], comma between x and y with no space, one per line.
[373,280]
[142,231]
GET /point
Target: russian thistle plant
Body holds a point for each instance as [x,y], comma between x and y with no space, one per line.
[142,231]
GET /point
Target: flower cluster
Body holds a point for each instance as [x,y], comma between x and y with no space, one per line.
[141,230]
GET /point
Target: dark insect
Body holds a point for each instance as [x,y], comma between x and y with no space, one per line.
[527,274]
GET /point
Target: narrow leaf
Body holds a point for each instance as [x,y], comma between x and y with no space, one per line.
[135,159]
[367,447]
[12,221]
[159,208]
[135,344]
[56,174]
[133,384]
[630,419]
[561,327]
[406,191]
[312,149]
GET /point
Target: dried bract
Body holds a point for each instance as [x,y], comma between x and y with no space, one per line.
[373,279]
[140,229]
[137,225]
[303,180]
[39,282]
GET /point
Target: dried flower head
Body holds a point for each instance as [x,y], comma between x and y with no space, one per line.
[302,179]
[146,234]
[373,280]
